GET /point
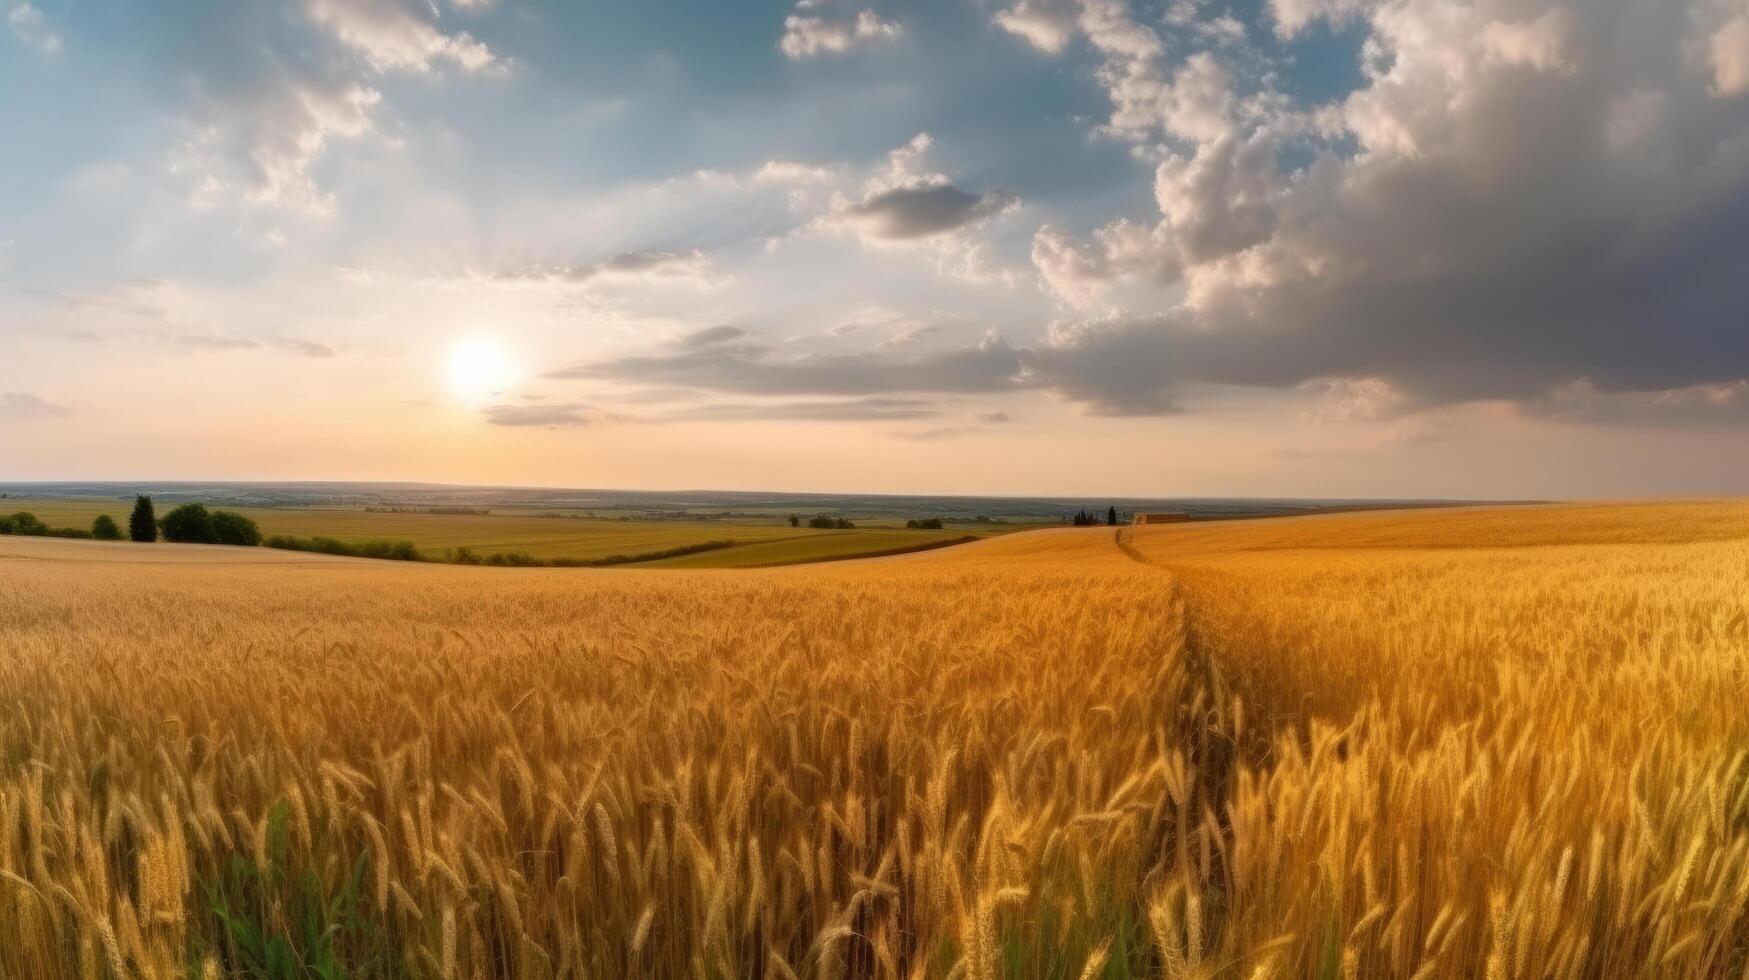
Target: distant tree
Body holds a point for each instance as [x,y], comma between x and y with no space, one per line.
[103,528]
[925,523]
[1111,516]
[234,528]
[25,523]
[190,524]
[143,523]
[794,521]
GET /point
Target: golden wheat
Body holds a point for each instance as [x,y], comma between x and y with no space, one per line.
[1438,744]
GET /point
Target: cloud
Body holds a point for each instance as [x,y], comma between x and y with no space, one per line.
[209,342]
[711,335]
[1540,44]
[1353,400]
[907,205]
[1501,208]
[395,36]
[851,410]
[923,209]
[952,431]
[691,267]
[930,435]
[1048,25]
[815,28]
[266,97]
[29,25]
[306,348]
[754,369]
[1294,16]
[1728,56]
[1723,405]
[911,335]
[216,342]
[536,416]
[24,405]
[791,172]
[1121,250]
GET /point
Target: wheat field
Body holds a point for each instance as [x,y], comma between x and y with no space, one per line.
[1503,743]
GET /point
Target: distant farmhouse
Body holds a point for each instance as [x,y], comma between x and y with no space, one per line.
[1160,517]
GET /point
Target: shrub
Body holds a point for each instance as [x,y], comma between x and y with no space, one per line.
[389,550]
[67,532]
[190,524]
[925,524]
[234,528]
[142,523]
[103,528]
[25,523]
[827,521]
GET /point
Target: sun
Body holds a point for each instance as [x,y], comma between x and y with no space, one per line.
[479,368]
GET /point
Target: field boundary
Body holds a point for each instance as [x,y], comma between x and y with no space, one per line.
[910,549]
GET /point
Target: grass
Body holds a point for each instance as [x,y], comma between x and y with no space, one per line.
[511,532]
[1449,744]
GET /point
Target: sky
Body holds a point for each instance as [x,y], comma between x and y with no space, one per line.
[1345,248]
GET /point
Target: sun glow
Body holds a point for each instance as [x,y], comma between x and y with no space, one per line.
[479,368]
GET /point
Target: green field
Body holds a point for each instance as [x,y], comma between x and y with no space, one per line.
[816,546]
[758,542]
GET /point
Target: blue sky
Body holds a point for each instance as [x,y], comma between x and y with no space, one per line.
[1346,247]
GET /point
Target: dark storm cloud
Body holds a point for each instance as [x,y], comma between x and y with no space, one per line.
[1514,201]
[922,210]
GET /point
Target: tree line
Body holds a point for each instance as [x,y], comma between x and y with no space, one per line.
[1084,519]
[187,524]
[824,522]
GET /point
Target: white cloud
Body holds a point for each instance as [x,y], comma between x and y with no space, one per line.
[1294,16]
[1082,272]
[264,142]
[1048,25]
[1353,400]
[29,25]
[393,37]
[262,113]
[815,28]
[1540,44]
[1728,56]
[791,172]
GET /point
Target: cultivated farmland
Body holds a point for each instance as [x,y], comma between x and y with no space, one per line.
[1439,744]
[768,541]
